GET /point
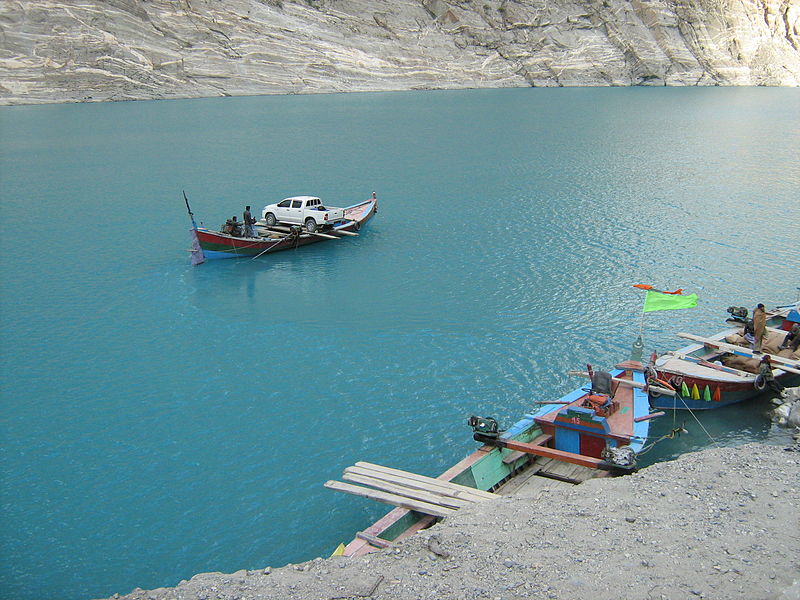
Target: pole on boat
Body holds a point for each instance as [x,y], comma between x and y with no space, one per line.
[626,382]
[198,257]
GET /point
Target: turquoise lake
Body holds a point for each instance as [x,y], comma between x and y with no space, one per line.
[161,420]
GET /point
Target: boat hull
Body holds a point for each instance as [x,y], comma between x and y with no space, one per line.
[218,245]
[703,385]
[492,467]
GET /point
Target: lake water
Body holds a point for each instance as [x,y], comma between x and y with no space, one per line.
[160,420]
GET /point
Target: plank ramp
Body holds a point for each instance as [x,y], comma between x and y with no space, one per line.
[415,492]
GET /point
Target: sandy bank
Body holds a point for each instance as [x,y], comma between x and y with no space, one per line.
[722,523]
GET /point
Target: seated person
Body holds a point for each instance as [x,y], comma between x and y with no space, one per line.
[235,227]
[228,227]
[792,339]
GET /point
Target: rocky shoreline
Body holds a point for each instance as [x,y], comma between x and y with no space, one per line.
[718,524]
[100,50]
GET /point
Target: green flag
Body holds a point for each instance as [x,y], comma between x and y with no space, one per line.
[658,301]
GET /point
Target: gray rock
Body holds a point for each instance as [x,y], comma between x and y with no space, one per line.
[141,49]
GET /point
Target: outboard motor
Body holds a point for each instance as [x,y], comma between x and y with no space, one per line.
[622,457]
[739,313]
[483,428]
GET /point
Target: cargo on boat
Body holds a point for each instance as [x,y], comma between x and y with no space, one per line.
[270,236]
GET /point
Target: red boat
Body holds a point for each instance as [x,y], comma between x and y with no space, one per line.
[210,244]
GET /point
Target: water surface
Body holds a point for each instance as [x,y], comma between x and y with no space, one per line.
[161,420]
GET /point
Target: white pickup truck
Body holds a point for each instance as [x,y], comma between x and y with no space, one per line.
[302,210]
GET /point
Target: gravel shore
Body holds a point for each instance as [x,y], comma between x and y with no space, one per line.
[721,523]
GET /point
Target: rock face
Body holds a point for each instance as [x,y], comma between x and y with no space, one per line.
[94,50]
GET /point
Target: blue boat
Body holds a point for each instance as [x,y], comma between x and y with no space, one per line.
[593,431]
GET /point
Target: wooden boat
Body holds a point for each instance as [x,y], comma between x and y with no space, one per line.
[721,370]
[586,433]
[214,244]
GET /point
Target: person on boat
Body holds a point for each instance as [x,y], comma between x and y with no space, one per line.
[759,327]
[228,227]
[249,221]
[749,333]
[792,339]
[235,227]
[765,371]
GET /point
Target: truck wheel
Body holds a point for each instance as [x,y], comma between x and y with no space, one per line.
[270,219]
[311,225]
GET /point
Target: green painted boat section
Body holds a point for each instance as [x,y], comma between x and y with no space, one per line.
[399,526]
[484,474]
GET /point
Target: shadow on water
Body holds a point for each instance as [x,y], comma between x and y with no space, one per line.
[733,425]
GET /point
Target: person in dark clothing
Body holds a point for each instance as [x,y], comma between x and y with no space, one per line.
[248,222]
[792,339]
[235,227]
[765,371]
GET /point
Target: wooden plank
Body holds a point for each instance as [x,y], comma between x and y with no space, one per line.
[386,498]
[704,363]
[324,235]
[434,482]
[441,491]
[654,415]
[373,539]
[570,457]
[785,364]
[516,455]
[343,232]
[408,492]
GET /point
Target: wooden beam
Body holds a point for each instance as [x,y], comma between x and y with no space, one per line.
[779,362]
[408,492]
[570,457]
[343,232]
[440,490]
[650,416]
[324,235]
[704,363]
[373,540]
[423,507]
[463,489]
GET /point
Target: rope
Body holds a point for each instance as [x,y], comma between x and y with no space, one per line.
[270,248]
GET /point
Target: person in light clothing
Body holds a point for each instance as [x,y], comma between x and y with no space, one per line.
[759,327]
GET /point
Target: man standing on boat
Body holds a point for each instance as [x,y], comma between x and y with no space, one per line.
[249,221]
[759,327]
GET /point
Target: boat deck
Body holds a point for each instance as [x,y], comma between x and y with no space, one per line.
[619,422]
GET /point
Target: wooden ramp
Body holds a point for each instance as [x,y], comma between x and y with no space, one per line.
[408,490]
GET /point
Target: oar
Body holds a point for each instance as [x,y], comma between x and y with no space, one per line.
[784,364]
[324,235]
[710,365]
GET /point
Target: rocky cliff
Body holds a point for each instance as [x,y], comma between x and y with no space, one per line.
[78,50]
